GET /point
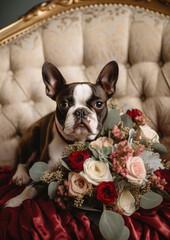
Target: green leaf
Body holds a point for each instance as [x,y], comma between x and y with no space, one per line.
[38,170]
[106,150]
[113,118]
[158,147]
[125,233]
[65,165]
[127,107]
[94,152]
[127,121]
[143,142]
[111,226]
[99,150]
[87,208]
[150,200]
[52,189]
[163,193]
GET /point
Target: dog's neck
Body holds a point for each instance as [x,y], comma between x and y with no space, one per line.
[66,140]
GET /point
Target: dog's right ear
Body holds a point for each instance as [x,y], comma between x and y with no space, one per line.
[53,79]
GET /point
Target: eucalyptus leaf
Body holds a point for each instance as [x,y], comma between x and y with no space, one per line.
[52,189]
[143,142]
[38,170]
[150,200]
[125,233]
[113,118]
[127,121]
[65,165]
[127,107]
[158,147]
[111,226]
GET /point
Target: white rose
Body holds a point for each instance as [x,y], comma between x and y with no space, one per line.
[148,133]
[126,202]
[96,172]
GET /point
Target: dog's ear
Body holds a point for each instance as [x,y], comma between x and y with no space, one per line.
[108,77]
[53,79]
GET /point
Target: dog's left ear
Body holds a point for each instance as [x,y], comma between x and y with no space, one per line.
[53,79]
[108,77]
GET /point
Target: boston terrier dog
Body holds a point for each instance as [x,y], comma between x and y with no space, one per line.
[81,109]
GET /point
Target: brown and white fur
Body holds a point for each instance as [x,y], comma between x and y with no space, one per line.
[81,109]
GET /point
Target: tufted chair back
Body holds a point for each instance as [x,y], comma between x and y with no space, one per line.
[80,42]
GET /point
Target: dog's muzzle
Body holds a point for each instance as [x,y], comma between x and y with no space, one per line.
[81,118]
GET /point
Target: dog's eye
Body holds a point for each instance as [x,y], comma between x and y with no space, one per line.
[99,104]
[64,104]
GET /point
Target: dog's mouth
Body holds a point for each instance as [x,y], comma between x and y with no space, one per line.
[82,124]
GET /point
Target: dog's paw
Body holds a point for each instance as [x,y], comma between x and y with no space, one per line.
[14,202]
[28,193]
[21,176]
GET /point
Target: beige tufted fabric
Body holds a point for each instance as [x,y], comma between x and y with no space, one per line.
[80,42]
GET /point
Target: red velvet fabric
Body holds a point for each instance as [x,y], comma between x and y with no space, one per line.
[38,219]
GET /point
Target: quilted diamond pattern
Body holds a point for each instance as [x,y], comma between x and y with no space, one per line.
[80,43]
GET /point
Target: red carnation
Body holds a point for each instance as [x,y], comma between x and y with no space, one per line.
[106,192]
[134,113]
[76,160]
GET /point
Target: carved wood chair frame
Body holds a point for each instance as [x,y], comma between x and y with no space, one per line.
[45,10]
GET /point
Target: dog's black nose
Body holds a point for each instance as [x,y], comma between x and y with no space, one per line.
[81,113]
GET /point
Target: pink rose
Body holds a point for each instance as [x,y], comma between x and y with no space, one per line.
[136,170]
[78,185]
[102,142]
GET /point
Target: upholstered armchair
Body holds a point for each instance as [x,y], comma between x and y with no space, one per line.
[80,37]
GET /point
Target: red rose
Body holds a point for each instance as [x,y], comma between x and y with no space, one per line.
[106,192]
[76,160]
[134,113]
[129,113]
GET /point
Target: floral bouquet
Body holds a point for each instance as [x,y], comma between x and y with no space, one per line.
[111,176]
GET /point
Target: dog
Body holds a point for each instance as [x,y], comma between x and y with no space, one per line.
[81,109]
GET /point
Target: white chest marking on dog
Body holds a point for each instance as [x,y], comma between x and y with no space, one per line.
[56,148]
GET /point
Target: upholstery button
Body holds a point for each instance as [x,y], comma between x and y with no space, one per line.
[160,64]
[128,65]
[143,97]
[31,103]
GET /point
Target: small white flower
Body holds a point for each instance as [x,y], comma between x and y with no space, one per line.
[126,202]
[148,134]
[96,172]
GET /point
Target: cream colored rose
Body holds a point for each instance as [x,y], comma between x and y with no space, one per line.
[78,185]
[136,169]
[102,142]
[126,202]
[96,172]
[148,133]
